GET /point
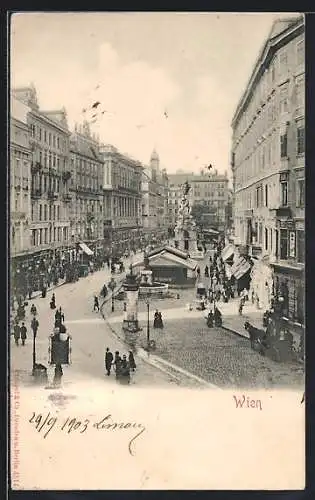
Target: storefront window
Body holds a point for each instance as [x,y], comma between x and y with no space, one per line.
[283,244]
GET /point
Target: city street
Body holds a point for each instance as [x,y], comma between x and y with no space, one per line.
[90,336]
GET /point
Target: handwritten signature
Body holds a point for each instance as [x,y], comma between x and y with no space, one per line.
[44,423]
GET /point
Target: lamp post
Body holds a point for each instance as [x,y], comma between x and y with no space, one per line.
[112,286]
[34,326]
[148,322]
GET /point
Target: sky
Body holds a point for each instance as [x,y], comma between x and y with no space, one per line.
[164,81]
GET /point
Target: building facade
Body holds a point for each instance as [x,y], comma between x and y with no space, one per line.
[208,190]
[155,216]
[20,179]
[122,200]
[86,189]
[49,143]
[268,167]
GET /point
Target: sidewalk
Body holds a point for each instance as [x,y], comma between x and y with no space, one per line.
[232,321]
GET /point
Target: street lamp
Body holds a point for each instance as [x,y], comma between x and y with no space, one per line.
[112,286]
[34,326]
[148,320]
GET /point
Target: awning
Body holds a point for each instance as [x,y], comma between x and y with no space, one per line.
[227,252]
[86,249]
[240,268]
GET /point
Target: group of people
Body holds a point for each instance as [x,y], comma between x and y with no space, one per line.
[214,318]
[20,330]
[158,320]
[121,365]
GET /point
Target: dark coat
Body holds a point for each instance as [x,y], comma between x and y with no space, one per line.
[23,332]
[17,331]
[108,358]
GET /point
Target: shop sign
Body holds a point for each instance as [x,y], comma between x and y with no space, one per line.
[292,244]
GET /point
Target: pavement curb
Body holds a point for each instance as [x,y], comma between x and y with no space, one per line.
[235,332]
[156,360]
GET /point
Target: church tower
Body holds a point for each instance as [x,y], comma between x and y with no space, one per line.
[155,165]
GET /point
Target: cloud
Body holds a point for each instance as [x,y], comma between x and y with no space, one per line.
[135,95]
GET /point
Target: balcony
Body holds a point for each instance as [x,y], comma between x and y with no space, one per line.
[36,193]
[67,197]
[52,195]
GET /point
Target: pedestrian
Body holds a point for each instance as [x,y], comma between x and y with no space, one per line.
[33,310]
[117,361]
[17,333]
[198,271]
[96,304]
[132,362]
[108,361]
[206,272]
[23,333]
[241,306]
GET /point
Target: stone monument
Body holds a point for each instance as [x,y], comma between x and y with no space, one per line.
[131,288]
[185,229]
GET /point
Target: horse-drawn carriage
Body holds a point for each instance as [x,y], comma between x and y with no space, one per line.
[276,342]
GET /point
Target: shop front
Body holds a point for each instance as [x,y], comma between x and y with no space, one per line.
[289,283]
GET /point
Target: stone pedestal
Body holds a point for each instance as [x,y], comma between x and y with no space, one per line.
[131,288]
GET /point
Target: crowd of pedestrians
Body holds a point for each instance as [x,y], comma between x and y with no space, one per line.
[121,365]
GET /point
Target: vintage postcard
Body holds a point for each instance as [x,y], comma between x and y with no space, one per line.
[157,197]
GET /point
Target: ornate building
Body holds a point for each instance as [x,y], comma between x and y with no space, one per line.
[49,144]
[155,216]
[268,166]
[122,200]
[86,189]
[20,179]
[209,190]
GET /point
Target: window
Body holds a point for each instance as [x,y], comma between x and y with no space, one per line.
[266,195]
[301,193]
[284,145]
[300,243]
[284,98]
[284,193]
[45,135]
[283,244]
[300,52]
[58,142]
[46,235]
[40,133]
[33,237]
[40,212]
[300,140]
[300,91]
[266,238]
[49,138]
[45,212]
[260,234]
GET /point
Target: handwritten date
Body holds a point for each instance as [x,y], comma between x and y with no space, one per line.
[45,423]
